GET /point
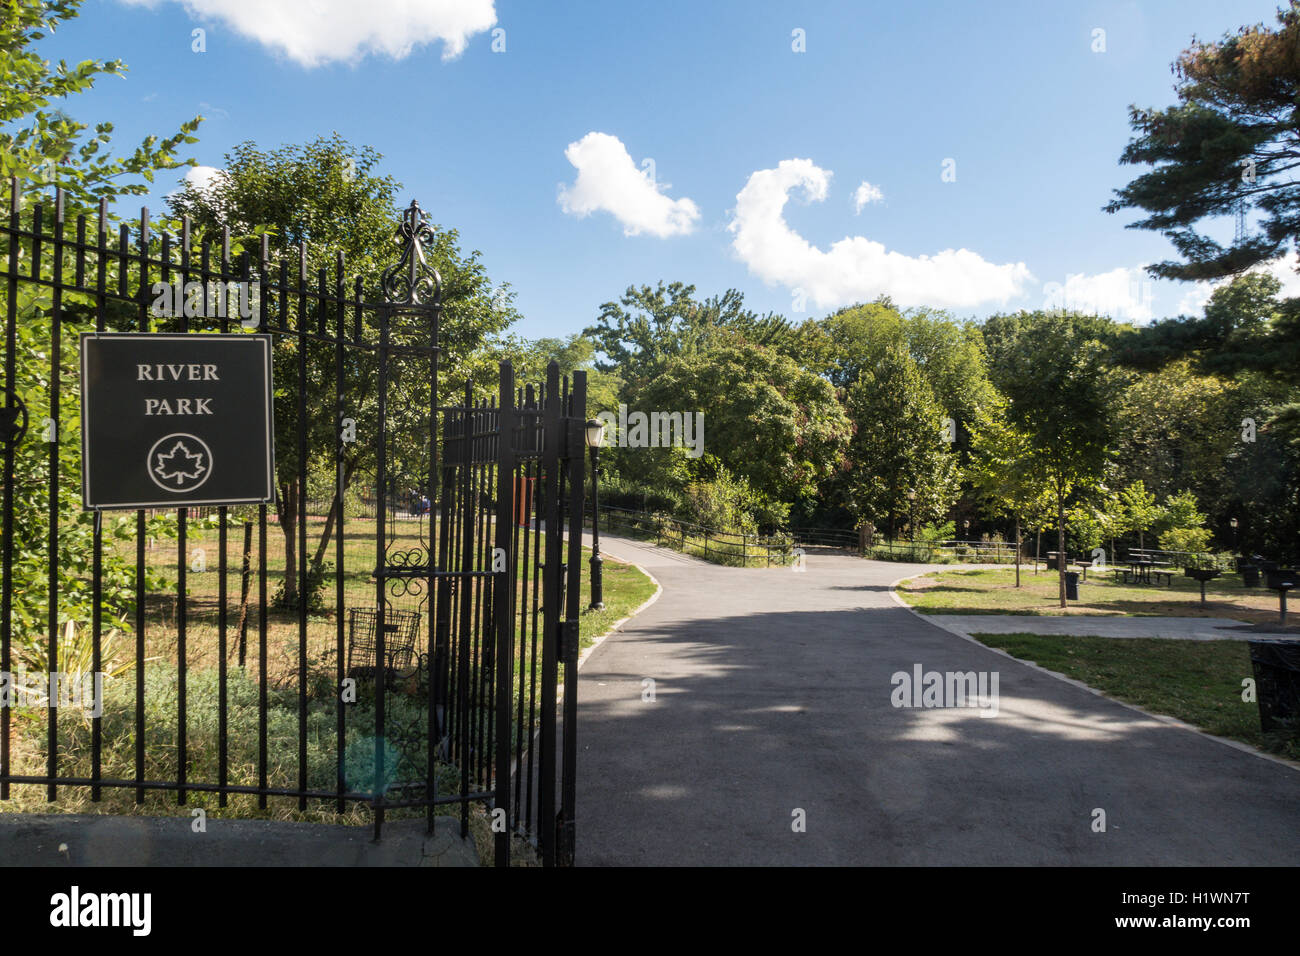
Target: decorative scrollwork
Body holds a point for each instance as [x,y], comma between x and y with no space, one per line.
[412,280]
[415,557]
[406,587]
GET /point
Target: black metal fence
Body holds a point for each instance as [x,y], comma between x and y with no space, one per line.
[225,634]
[721,547]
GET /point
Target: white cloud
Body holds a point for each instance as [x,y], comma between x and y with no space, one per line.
[866,193]
[608,180]
[1283,268]
[854,268]
[201,177]
[1121,293]
[315,32]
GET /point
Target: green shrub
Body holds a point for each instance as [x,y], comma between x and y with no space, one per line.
[1193,540]
[406,731]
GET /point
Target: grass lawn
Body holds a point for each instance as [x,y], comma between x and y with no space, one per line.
[1198,682]
[993,591]
[623,588]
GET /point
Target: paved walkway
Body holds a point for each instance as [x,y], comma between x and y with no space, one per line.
[773,696]
[91,840]
[1097,625]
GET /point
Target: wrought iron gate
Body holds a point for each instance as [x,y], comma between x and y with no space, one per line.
[412,663]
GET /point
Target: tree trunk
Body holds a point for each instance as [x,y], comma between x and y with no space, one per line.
[335,507]
[1038,548]
[1017,550]
[1060,545]
[286,510]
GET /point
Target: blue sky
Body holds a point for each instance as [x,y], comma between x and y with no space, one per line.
[734,121]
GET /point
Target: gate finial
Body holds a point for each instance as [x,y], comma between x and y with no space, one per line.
[412,280]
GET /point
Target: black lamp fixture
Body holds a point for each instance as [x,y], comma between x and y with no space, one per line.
[595,438]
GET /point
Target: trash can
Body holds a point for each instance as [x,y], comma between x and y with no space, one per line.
[1277,684]
[1072,585]
[1249,575]
[1278,578]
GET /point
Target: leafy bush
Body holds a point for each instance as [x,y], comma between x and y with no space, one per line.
[723,504]
[1180,525]
[1193,540]
[76,652]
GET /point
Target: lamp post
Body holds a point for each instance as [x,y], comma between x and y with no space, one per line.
[1233,522]
[595,437]
[911,520]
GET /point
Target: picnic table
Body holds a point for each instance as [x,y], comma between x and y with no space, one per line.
[1142,570]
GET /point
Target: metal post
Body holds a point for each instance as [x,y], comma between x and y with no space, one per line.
[551,606]
[503,594]
[597,585]
[565,820]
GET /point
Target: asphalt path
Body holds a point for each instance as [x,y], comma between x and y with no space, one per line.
[772,739]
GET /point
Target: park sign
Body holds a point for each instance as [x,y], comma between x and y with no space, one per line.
[175,420]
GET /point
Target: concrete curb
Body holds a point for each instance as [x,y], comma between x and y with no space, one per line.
[937,621]
[618,625]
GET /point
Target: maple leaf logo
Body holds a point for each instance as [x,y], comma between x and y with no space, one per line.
[180,464]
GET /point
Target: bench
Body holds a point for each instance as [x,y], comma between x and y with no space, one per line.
[1167,575]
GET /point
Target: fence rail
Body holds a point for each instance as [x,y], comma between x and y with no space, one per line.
[1184,559]
[721,547]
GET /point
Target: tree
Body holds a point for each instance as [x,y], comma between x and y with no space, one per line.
[324,198]
[648,326]
[1180,524]
[898,463]
[1086,526]
[1060,387]
[1233,138]
[1039,518]
[845,343]
[768,421]
[1244,329]
[1176,429]
[1112,518]
[1140,510]
[47,148]
[948,353]
[1229,146]
[1264,477]
[1004,471]
[572,354]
